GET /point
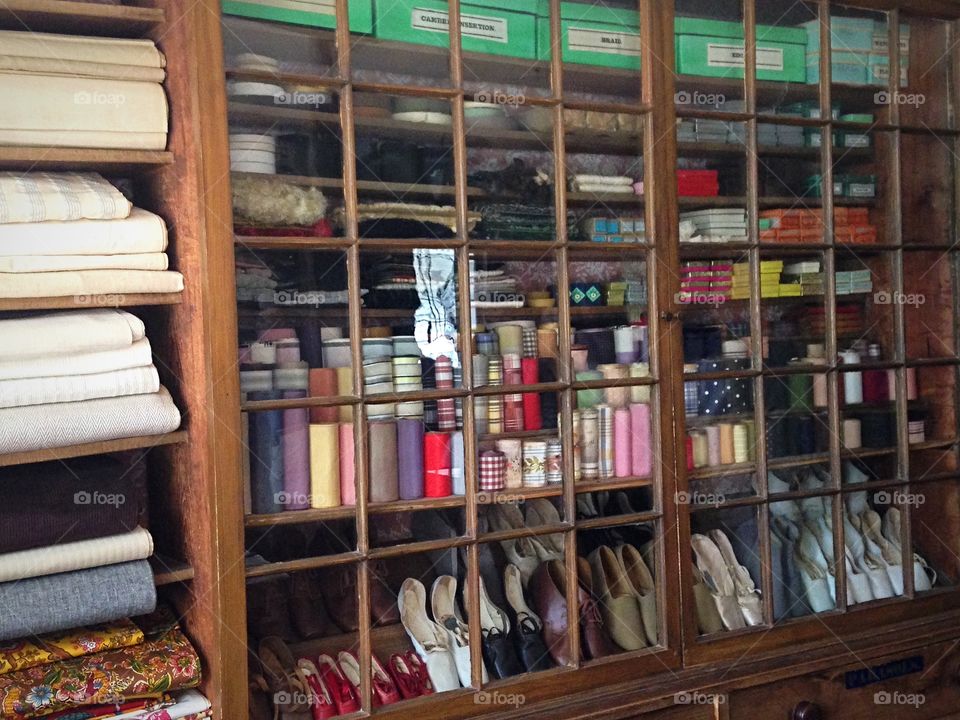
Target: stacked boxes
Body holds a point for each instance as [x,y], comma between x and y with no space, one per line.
[807,275]
[621,229]
[592,34]
[315,13]
[770,286]
[858,51]
[705,282]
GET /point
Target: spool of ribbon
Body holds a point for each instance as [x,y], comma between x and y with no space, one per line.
[554,461]
[589,444]
[713,445]
[534,463]
[605,437]
[510,338]
[513,452]
[384,478]
[622,443]
[641,452]
[324,383]
[530,375]
[699,445]
[324,465]
[437,465]
[740,448]
[458,478]
[625,345]
[547,342]
[615,397]
[345,387]
[852,381]
[493,471]
[296,453]
[640,393]
[852,434]
[410,458]
[726,443]
[348,479]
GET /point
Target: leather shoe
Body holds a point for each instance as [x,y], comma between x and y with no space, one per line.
[528,634]
[595,640]
[548,590]
[617,599]
[497,636]
[429,639]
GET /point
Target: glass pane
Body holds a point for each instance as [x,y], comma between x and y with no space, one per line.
[932,420]
[929,284]
[857,68]
[933,533]
[710,56]
[785,33]
[924,71]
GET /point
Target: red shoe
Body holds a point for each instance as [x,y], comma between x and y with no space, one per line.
[383,690]
[345,696]
[419,670]
[322,705]
[403,677]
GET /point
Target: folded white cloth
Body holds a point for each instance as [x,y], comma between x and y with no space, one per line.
[39,427]
[39,196]
[602,180]
[605,189]
[79,68]
[61,263]
[68,333]
[89,282]
[141,232]
[63,111]
[70,388]
[69,557]
[69,48]
[137,355]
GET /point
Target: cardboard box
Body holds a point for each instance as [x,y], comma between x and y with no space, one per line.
[714,48]
[845,67]
[592,34]
[315,13]
[494,27]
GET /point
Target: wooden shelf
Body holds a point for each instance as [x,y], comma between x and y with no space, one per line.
[340,311]
[521,494]
[625,483]
[520,435]
[85,18]
[94,448]
[167,571]
[101,300]
[372,187]
[720,471]
[59,158]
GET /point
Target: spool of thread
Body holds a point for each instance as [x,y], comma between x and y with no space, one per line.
[641,452]
[486,345]
[547,342]
[875,386]
[800,392]
[713,445]
[548,400]
[589,444]
[818,382]
[741,453]
[446,408]
[622,443]
[816,350]
[374,348]
[348,472]
[324,465]
[385,481]
[625,345]
[698,440]
[640,393]
[324,383]
[437,465]
[554,462]
[726,443]
[606,441]
[458,477]
[852,381]
[513,452]
[534,463]
[615,397]
[688,450]
[336,353]
[851,434]
[410,456]
[493,471]
[510,338]
[734,348]
[530,373]
[577,442]
[287,350]
[911,374]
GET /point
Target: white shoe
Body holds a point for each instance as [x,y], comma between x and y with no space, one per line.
[856,502]
[428,638]
[747,594]
[890,555]
[867,563]
[814,572]
[541,511]
[824,537]
[717,578]
[443,601]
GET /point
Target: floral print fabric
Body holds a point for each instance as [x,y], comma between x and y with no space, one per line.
[32,652]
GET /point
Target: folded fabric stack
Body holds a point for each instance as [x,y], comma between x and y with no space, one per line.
[770,285]
[64,234]
[602,184]
[123,669]
[705,282]
[494,288]
[399,219]
[780,135]
[716,225]
[516,221]
[392,282]
[87,92]
[853,282]
[807,274]
[852,225]
[255,281]
[78,377]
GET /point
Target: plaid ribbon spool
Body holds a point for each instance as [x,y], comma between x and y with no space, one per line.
[493,470]
[446,407]
[530,344]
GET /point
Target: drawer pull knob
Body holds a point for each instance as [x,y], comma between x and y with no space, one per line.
[807,711]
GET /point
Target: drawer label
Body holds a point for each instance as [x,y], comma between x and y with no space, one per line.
[605,41]
[724,55]
[475,26]
[878,673]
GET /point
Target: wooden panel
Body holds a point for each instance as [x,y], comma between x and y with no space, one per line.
[77,17]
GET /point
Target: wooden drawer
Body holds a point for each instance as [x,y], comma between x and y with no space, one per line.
[922,685]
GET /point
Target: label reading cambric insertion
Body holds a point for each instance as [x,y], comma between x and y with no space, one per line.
[734,56]
[475,26]
[605,41]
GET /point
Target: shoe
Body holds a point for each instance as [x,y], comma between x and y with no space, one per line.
[641,583]
[528,637]
[429,639]
[717,578]
[540,512]
[586,507]
[383,601]
[748,596]
[548,591]
[307,610]
[865,562]
[708,617]
[341,597]
[443,601]
[282,675]
[496,637]
[322,705]
[419,670]
[814,572]
[382,687]
[870,526]
[405,680]
[522,554]
[924,577]
[617,600]
[595,640]
[346,695]
[268,605]
[821,532]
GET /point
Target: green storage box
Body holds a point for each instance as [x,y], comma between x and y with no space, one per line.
[592,35]
[494,27]
[847,34]
[714,48]
[845,67]
[361,12]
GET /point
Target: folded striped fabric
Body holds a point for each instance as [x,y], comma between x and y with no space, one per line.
[136,355]
[67,333]
[68,557]
[76,642]
[140,232]
[70,388]
[88,282]
[38,197]
[35,427]
[78,68]
[78,48]
[62,263]
[68,600]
